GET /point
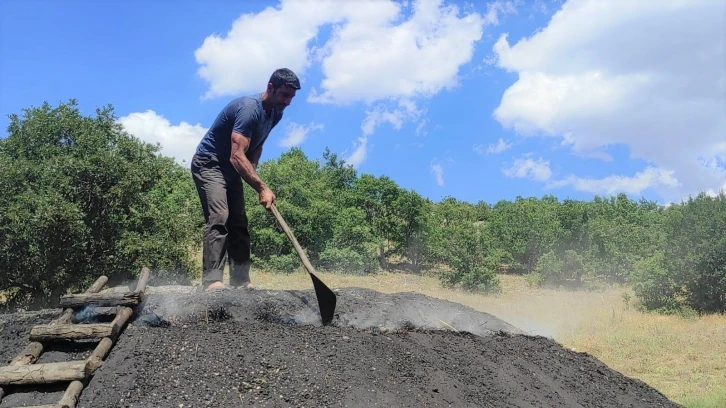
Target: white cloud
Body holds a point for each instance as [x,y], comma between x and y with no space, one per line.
[384,53]
[242,60]
[359,154]
[377,116]
[421,128]
[296,134]
[538,170]
[177,141]
[380,58]
[498,147]
[643,180]
[495,8]
[646,74]
[438,173]
[376,51]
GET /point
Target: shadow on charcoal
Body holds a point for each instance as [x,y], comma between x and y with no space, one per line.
[17,395]
[149,319]
[304,300]
[70,346]
[269,312]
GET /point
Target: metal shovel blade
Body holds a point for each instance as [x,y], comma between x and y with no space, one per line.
[327,300]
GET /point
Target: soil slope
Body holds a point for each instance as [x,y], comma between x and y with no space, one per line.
[267,348]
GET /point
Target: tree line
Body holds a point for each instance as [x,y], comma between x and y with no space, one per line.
[82,197]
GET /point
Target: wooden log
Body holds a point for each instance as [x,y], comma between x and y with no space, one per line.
[70,397]
[65,318]
[29,355]
[98,285]
[101,299]
[143,280]
[43,373]
[95,360]
[45,406]
[122,316]
[119,322]
[46,332]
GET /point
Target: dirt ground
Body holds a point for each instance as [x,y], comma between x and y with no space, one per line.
[268,348]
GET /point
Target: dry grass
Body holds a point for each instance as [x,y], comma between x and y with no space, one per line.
[683,358]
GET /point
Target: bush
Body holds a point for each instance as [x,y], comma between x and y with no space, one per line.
[655,286]
[284,263]
[348,260]
[481,279]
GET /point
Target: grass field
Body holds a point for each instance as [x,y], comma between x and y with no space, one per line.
[684,358]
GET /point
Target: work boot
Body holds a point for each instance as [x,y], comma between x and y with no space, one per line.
[239,275]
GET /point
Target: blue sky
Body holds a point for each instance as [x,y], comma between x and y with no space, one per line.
[479,101]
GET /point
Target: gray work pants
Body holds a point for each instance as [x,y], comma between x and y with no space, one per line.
[226,231]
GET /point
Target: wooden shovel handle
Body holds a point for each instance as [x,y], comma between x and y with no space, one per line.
[297,246]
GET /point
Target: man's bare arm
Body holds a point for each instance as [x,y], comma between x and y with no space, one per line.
[255,156]
[244,167]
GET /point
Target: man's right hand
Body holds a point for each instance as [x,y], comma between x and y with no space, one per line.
[267,198]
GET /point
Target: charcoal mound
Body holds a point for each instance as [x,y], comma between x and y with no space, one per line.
[268,348]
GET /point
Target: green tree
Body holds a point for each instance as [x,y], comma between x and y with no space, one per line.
[82,197]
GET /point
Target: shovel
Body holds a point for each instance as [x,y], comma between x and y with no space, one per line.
[326,298]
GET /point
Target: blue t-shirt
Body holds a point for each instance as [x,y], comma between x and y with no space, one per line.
[244,115]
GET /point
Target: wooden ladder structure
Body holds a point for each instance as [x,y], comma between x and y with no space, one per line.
[23,369]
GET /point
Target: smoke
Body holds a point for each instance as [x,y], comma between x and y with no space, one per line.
[85,314]
[408,310]
[356,308]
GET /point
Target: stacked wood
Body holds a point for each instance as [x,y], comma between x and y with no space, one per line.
[23,369]
[32,351]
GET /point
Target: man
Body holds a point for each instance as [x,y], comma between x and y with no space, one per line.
[231,149]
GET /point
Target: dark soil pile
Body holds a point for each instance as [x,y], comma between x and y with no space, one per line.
[265,348]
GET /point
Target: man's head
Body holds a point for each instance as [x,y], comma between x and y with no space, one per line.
[281,88]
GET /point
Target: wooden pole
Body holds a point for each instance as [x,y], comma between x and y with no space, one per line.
[122,316]
[30,355]
[47,333]
[143,280]
[43,373]
[70,397]
[95,360]
[101,299]
[327,300]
